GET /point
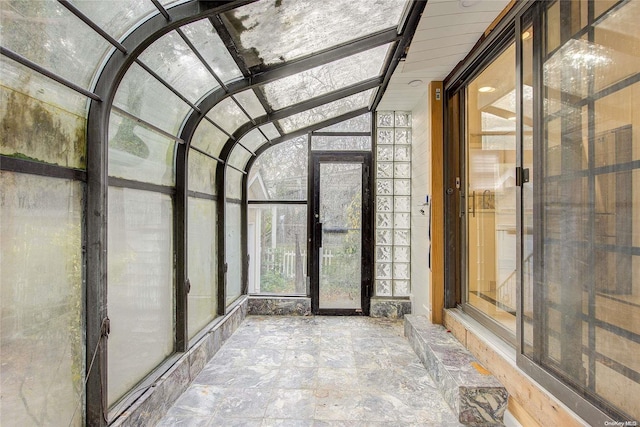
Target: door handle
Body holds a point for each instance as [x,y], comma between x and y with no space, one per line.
[319,234]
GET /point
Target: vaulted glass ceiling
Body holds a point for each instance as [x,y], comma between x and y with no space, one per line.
[210,74]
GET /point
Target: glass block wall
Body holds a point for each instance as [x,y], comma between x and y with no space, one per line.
[393,203]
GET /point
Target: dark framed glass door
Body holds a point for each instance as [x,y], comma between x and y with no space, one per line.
[341,230]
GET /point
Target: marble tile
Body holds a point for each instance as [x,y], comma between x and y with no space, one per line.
[301,358]
[337,359]
[198,358]
[296,378]
[220,421]
[291,404]
[244,403]
[313,371]
[338,378]
[270,422]
[476,398]
[198,401]
[332,404]
[184,421]
[238,376]
[394,309]
[279,306]
[385,407]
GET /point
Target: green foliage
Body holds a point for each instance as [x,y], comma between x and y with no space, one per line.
[274,282]
[126,140]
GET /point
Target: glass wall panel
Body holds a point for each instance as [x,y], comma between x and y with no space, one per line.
[209,138]
[40,129]
[277,236]
[357,124]
[145,97]
[140,286]
[340,256]
[234,184]
[41,340]
[138,153]
[233,251]
[280,173]
[327,111]
[491,192]
[212,49]
[109,14]
[173,60]
[270,35]
[202,173]
[326,78]
[203,261]
[228,115]
[46,33]
[340,142]
[527,190]
[589,311]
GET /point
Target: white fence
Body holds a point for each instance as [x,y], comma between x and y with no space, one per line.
[284,261]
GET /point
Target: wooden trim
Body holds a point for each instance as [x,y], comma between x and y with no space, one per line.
[436,93]
[528,400]
[502,14]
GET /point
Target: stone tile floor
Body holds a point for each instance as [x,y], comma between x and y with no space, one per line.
[313,371]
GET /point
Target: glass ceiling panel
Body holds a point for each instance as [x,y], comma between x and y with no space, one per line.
[175,62]
[228,115]
[253,140]
[270,131]
[209,138]
[271,32]
[212,49]
[326,111]
[116,17]
[51,36]
[250,103]
[171,3]
[145,97]
[357,124]
[326,78]
[239,157]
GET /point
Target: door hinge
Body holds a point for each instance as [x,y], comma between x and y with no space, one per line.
[187,286]
[522,176]
[105,328]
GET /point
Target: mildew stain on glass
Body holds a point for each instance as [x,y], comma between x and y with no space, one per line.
[39,131]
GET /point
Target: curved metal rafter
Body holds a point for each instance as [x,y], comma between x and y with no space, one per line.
[295,109]
[305,131]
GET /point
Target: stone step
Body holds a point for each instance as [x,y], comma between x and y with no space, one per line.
[472,391]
